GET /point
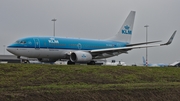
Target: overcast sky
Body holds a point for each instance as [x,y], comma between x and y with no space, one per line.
[95,19]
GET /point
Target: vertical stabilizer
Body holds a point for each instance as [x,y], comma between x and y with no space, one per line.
[124,34]
[144,61]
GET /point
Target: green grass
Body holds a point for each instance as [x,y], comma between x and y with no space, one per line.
[82,77]
[35,82]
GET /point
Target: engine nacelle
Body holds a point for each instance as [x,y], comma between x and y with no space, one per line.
[80,56]
[46,60]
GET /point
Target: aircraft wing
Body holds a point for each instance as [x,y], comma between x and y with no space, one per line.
[133,46]
[142,43]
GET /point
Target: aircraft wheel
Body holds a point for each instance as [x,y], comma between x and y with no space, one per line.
[91,63]
[70,63]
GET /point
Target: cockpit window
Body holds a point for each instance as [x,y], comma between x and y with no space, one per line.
[20,42]
[17,41]
[23,42]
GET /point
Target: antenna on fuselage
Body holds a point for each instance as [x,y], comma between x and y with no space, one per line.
[54,26]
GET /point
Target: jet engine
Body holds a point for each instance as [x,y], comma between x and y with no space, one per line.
[80,56]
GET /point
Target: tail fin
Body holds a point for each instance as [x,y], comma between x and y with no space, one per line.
[125,32]
[144,61]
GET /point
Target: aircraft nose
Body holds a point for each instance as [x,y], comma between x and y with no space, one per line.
[12,49]
[8,49]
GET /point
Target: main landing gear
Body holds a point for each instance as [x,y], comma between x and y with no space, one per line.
[91,63]
[70,63]
[73,63]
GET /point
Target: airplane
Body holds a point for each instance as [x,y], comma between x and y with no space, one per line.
[175,64]
[75,50]
[154,65]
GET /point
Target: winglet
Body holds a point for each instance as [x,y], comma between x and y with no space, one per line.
[170,40]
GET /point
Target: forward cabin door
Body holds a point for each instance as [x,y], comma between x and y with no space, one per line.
[37,43]
[36,52]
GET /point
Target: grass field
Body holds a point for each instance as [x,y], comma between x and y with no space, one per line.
[32,82]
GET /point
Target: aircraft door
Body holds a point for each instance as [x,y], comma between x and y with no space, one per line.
[37,43]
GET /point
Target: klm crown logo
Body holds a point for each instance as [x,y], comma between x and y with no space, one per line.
[83,56]
[126,30]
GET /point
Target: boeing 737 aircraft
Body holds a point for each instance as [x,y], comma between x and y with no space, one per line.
[51,49]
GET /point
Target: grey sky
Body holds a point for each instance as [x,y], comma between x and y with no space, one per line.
[97,19]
